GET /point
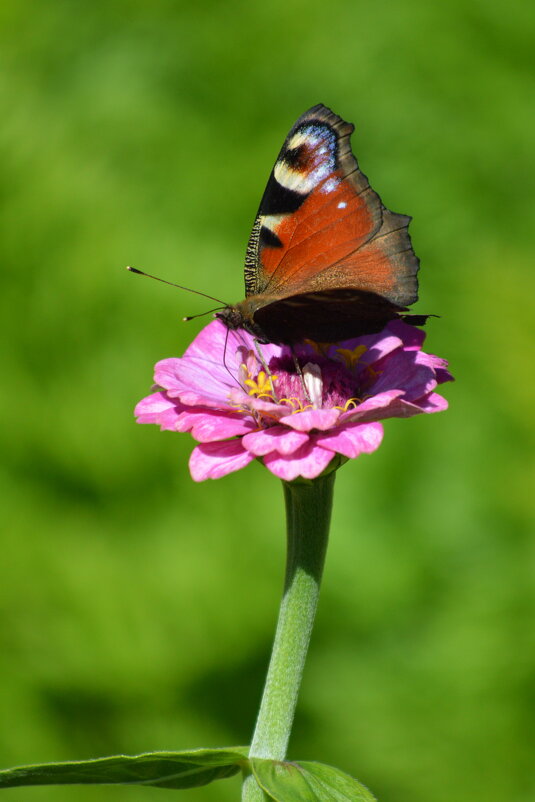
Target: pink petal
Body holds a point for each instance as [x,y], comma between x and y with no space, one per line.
[208,370]
[308,461]
[207,425]
[149,409]
[214,460]
[321,419]
[432,403]
[402,371]
[165,372]
[170,419]
[400,408]
[276,438]
[268,351]
[211,342]
[352,439]
[443,375]
[377,346]
[411,337]
[216,341]
[268,409]
[195,381]
[440,366]
[373,408]
[157,408]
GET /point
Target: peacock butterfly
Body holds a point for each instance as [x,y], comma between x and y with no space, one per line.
[326,260]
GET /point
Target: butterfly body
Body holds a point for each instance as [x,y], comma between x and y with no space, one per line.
[325,260]
[323,316]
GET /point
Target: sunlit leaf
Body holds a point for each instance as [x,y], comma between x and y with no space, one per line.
[162,769]
[308,782]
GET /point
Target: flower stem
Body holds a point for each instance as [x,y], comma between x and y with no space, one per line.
[308,513]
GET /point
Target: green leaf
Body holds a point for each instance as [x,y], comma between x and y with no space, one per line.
[307,782]
[162,769]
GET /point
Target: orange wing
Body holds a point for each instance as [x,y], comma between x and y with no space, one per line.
[320,225]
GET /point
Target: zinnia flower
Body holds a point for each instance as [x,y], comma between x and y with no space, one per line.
[299,411]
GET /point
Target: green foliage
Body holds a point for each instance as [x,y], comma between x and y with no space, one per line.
[177,770]
[282,781]
[137,608]
[307,782]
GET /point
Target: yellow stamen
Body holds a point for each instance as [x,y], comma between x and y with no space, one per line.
[351,402]
[296,404]
[320,348]
[351,356]
[291,401]
[262,385]
[373,373]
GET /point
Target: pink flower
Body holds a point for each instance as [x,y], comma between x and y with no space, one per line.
[296,424]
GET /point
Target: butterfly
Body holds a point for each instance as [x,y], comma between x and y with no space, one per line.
[326,260]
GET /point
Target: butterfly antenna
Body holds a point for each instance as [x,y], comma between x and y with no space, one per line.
[180,287]
[201,314]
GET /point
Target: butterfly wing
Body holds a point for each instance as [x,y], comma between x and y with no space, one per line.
[321,228]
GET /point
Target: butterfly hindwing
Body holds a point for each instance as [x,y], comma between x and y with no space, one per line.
[324,316]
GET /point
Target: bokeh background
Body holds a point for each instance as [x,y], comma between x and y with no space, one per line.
[137,608]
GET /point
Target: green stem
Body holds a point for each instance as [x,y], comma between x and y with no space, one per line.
[308,513]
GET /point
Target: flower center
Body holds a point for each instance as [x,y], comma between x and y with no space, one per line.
[319,383]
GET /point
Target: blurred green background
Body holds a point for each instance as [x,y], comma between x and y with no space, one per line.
[137,608]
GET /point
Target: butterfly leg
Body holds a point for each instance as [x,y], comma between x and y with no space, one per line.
[300,374]
[266,369]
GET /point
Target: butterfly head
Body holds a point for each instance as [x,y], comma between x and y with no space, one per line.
[240,316]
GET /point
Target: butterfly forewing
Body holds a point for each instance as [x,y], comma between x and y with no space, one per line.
[320,224]
[326,260]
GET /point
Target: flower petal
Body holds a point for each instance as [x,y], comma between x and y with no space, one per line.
[308,461]
[398,407]
[207,425]
[209,369]
[149,409]
[194,381]
[432,403]
[321,419]
[267,350]
[373,408]
[352,439]
[377,347]
[402,371]
[440,366]
[210,344]
[216,341]
[268,409]
[277,438]
[158,408]
[411,337]
[214,460]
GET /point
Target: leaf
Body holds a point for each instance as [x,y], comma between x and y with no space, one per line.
[307,782]
[162,769]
